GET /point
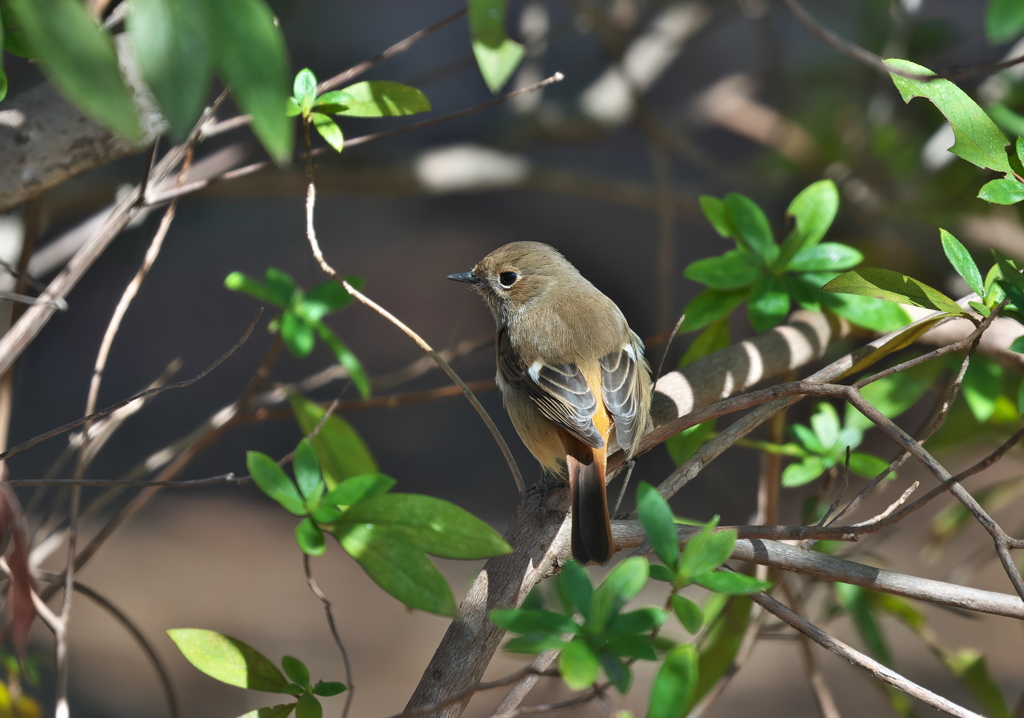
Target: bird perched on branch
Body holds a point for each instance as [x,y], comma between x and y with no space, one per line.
[571,373]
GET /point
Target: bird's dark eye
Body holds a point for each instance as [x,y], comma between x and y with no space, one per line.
[507,279]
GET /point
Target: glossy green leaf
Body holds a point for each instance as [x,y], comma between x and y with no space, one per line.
[768,304]
[716,337]
[753,230]
[239,282]
[686,443]
[535,643]
[714,209]
[433,525]
[705,551]
[854,601]
[619,586]
[813,210]
[327,298]
[339,448]
[732,270]
[381,98]
[280,285]
[329,688]
[658,521]
[526,621]
[892,287]
[310,538]
[810,441]
[731,583]
[79,58]
[334,101]
[578,665]
[710,306]
[397,566]
[497,56]
[977,138]
[251,55]
[672,691]
[867,465]
[172,44]
[802,472]
[825,257]
[308,707]
[346,357]
[298,336]
[642,620]
[868,312]
[357,488]
[227,659]
[688,613]
[962,261]
[1004,21]
[304,89]
[982,386]
[1005,190]
[575,585]
[617,671]
[307,469]
[295,670]
[274,482]
[825,422]
[718,651]
[329,130]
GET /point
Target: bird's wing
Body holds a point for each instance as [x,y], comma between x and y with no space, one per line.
[622,391]
[559,391]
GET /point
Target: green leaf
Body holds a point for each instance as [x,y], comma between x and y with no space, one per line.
[710,306]
[280,286]
[298,336]
[813,211]
[339,448]
[578,665]
[326,298]
[397,566]
[868,312]
[575,585]
[688,613]
[1004,20]
[527,621]
[357,488]
[672,691]
[616,671]
[970,669]
[227,659]
[732,270]
[722,643]
[752,227]
[329,688]
[381,98]
[346,357]
[731,583]
[825,257]
[977,138]
[854,601]
[867,465]
[808,439]
[705,551]
[308,707]
[172,43]
[79,58]
[982,386]
[686,443]
[332,102]
[642,620]
[239,282]
[802,472]
[252,59]
[825,422]
[304,89]
[535,643]
[619,586]
[3,80]
[714,209]
[496,55]
[892,287]
[433,525]
[291,108]
[768,304]
[962,262]
[329,130]
[295,670]
[272,481]
[1005,190]
[307,469]
[310,538]
[711,340]
[658,521]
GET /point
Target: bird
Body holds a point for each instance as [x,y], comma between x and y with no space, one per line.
[572,376]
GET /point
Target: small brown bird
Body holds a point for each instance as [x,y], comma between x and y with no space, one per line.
[572,375]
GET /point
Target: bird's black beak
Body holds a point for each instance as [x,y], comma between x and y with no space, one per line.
[467,277]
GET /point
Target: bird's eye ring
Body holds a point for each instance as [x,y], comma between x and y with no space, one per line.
[507,279]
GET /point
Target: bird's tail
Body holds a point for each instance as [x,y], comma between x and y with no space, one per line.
[591,526]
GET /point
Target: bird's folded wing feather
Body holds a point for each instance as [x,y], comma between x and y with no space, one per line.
[621,393]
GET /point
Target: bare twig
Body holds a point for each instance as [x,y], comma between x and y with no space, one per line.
[315,588]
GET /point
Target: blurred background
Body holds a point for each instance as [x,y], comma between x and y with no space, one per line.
[661,102]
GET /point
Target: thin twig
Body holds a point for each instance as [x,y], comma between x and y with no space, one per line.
[315,588]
